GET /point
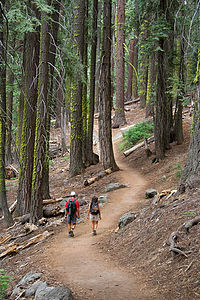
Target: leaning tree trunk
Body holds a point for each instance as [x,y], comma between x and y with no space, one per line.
[36,209]
[76,160]
[105,133]
[3,46]
[119,117]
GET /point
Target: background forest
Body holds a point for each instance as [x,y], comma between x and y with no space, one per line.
[62,61]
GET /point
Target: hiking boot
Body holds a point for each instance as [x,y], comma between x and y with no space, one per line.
[94,232]
[71,234]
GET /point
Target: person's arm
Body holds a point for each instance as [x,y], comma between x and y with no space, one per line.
[88,210]
[99,211]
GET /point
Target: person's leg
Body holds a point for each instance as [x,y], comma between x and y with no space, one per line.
[69,225]
[93,226]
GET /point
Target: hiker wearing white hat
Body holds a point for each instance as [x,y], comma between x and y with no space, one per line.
[72,213]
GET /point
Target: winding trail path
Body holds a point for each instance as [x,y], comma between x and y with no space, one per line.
[82,266]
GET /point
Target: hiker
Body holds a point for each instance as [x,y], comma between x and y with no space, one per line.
[94,213]
[72,213]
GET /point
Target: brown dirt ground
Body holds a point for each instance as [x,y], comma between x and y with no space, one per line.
[136,257]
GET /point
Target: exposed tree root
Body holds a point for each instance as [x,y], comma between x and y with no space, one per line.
[191,223]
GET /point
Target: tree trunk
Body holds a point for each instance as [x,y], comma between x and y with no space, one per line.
[119,118]
[76,160]
[143,65]
[130,71]
[54,25]
[150,83]
[135,60]
[84,92]
[9,156]
[90,154]
[3,48]
[105,133]
[161,102]
[97,76]
[36,209]
[29,120]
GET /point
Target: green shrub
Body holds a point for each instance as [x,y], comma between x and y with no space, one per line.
[4,283]
[137,134]
[178,170]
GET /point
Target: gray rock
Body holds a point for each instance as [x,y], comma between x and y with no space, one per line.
[82,202]
[103,199]
[42,291]
[150,193]
[30,291]
[29,277]
[55,293]
[126,219]
[114,186]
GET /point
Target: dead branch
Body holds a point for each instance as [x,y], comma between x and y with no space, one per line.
[97,177]
[172,247]
[129,151]
[191,223]
[11,250]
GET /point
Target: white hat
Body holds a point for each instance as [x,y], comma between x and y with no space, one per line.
[73,193]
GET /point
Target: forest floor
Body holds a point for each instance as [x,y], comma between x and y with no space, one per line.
[131,263]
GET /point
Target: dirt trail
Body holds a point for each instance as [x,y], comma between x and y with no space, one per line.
[82,266]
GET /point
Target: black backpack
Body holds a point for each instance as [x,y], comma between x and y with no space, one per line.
[94,207]
[71,207]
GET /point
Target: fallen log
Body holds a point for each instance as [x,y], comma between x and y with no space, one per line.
[191,223]
[97,177]
[5,238]
[34,240]
[132,101]
[51,201]
[51,212]
[129,151]
[11,250]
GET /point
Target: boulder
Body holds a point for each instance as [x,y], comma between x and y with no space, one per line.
[31,276]
[54,293]
[114,186]
[30,291]
[150,193]
[126,219]
[103,199]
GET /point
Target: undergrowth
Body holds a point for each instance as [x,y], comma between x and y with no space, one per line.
[4,283]
[136,134]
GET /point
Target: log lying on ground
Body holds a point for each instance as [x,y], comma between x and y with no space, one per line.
[15,248]
[191,223]
[129,151]
[12,249]
[97,177]
[51,201]
[5,238]
[132,101]
[51,212]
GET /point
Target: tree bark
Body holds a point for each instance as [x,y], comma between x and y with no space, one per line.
[90,154]
[29,120]
[105,133]
[3,47]
[119,117]
[130,71]
[9,152]
[76,160]
[40,148]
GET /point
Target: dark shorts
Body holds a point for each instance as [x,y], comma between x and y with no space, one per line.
[71,219]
